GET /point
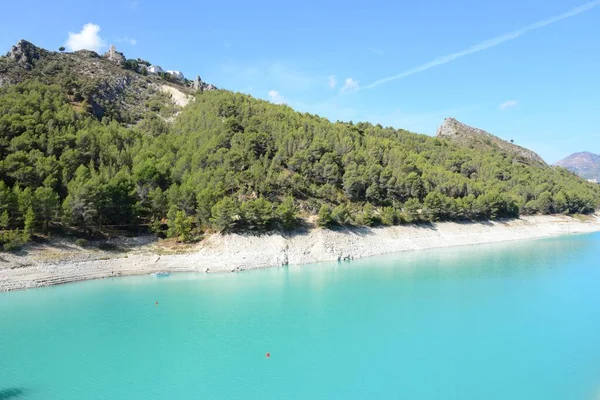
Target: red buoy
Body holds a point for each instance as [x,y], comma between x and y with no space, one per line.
[268,355]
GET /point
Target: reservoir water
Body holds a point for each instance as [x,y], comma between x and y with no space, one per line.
[506,321]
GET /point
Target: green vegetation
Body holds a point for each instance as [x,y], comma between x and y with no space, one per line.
[91,83]
[234,163]
[132,65]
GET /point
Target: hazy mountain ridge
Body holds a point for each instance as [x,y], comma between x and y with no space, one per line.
[584,164]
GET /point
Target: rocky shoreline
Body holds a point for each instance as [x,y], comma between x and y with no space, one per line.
[61,261]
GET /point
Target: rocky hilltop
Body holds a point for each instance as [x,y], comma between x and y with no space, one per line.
[106,85]
[474,138]
[584,164]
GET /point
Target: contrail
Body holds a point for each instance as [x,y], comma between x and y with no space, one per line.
[486,44]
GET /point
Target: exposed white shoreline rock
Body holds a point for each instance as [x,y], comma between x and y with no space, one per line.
[63,262]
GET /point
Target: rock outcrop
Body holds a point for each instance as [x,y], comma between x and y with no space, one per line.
[198,84]
[467,136]
[25,53]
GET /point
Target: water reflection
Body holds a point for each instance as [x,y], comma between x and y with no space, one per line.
[11,393]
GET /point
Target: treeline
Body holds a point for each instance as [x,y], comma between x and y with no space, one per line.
[231,162]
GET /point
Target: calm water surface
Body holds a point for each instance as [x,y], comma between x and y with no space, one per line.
[509,321]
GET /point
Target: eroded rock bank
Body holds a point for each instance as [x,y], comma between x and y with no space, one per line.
[62,262]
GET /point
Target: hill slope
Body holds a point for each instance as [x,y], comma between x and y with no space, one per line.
[230,162]
[585,164]
[474,138]
[106,85]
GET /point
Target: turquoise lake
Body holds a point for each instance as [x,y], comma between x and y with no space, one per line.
[507,321]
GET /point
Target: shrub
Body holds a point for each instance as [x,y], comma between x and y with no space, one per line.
[341,215]
[324,219]
[81,242]
[368,215]
[388,216]
[156,226]
[183,226]
[257,213]
[131,64]
[286,212]
[12,240]
[225,214]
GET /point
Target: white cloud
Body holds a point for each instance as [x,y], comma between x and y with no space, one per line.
[376,51]
[488,44]
[128,40]
[276,98]
[508,104]
[350,85]
[332,82]
[227,44]
[87,39]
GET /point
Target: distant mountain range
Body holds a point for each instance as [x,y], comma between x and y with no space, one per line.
[585,164]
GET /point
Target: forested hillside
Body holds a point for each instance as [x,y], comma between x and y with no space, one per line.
[230,162]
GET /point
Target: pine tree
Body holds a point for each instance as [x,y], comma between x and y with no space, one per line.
[29,223]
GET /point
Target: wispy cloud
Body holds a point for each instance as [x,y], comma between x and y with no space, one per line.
[128,40]
[350,85]
[87,39]
[375,51]
[276,97]
[485,44]
[133,4]
[332,82]
[508,104]
[226,43]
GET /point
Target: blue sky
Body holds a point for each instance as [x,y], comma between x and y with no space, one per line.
[530,77]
